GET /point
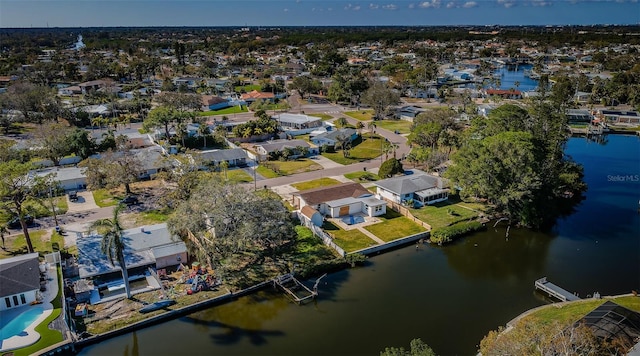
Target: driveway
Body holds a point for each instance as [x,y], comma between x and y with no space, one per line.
[85,202]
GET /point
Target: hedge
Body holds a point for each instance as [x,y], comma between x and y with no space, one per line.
[448,233]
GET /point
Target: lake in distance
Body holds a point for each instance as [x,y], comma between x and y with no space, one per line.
[450,297]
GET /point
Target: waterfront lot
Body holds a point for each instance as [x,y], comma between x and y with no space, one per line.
[447,213]
[394,226]
[351,240]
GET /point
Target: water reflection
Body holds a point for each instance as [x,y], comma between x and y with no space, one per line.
[492,255]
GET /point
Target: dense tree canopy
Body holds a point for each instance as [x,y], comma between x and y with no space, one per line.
[229,227]
[515,159]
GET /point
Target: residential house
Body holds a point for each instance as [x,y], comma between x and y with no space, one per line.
[68,178]
[145,247]
[485,109]
[419,188]
[93,85]
[212,102]
[235,157]
[152,161]
[297,124]
[582,97]
[331,138]
[339,200]
[579,115]
[505,94]
[619,116]
[19,280]
[255,95]
[189,82]
[408,113]
[265,149]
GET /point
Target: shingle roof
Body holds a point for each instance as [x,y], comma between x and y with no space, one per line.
[224,155]
[308,211]
[19,274]
[332,135]
[280,145]
[335,192]
[410,184]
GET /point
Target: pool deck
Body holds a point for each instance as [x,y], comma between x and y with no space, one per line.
[30,336]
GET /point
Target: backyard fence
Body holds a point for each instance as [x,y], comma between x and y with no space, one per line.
[326,239]
[405,212]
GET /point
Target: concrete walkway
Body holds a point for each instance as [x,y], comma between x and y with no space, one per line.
[371,236]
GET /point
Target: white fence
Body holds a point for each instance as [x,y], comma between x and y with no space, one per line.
[326,239]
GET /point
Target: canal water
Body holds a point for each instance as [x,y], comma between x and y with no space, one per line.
[447,296]
[509,75]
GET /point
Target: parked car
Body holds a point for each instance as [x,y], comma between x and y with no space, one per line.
[129,200]
[73,195]
[15,222]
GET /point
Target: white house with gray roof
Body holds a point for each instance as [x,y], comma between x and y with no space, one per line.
[69,178]
[235,157]
[420,188]
[19,281]
[330,138]
[297,124]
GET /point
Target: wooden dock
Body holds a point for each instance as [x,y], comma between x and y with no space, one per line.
[555,291]
[294,288]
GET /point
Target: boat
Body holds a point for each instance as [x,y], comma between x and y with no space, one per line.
[157,305]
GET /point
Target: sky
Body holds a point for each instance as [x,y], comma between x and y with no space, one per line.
[104,13]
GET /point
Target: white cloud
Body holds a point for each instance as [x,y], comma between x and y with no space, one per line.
[507,3]
[412,5]
[541,3]
[390,7]
[470,4]
[373,6]
[352,7]
[451,5]
[286,10]
[430,4]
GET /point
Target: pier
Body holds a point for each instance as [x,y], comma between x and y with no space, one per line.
[294,288]
[555,291]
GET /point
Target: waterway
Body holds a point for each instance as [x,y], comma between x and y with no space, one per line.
[509,75]
[447,296]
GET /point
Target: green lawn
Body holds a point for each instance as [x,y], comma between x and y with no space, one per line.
[236,175]
[285,168]
[351,240]
[247,88]
[402,126]
[322,182]
[226,111]
[446,213]
[324,117]
[151,217]
[104,197]
[362,115]
[572,312]
[40,244]
[394,226]
[362,176]
[367,149]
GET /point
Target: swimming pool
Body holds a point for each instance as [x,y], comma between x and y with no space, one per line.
[19,323]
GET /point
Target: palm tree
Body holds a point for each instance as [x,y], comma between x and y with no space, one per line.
[204,131]
[359,127]
[112,244]
[341,122]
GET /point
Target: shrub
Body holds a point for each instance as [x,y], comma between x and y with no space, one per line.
[449,233]
[390,168]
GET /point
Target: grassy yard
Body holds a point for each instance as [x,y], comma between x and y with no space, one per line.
[362,115]
[402,126]
[367,149]
[572,312]
[285,168]
[105,197]
[42,242]
[447,213]
[362,176]
[351,240]
[226,111]
[247,88]
[149,217]
[316,183]
[235,175]
[394,226]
